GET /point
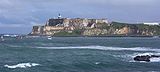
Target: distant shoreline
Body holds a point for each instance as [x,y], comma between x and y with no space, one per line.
[92,36]
[19,35]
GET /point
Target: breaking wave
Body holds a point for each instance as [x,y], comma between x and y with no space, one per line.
[130,57]
[125,57]
[21,65]
[105,48]
[151,59]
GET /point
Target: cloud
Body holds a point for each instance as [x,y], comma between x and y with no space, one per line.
[5,2]
[121,2]
[134,2]
[19,13]
[2,25]
[11,25]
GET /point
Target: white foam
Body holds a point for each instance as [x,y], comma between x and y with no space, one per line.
[148,53]
[105,48]
[155,59]
[130,57]
[127,57]
[97,63]
[35,64]
[21,65]
[142,54]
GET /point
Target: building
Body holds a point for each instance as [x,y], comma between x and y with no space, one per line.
[54,22]
[151,23]
[76,22]
[55,25]
[37,30]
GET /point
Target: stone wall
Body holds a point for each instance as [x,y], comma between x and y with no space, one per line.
[52,28]
[65,24]
[54,22]
[76,22]
[37,30]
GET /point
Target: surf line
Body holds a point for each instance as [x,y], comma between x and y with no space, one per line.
[21,65]
[105,48]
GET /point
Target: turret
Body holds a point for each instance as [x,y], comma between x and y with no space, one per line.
[59,16]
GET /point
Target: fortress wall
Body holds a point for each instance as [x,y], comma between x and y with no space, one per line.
[54,22]
[66,22]
[51,28]
[102,21]
[37,30]
[75,22]
[55,25]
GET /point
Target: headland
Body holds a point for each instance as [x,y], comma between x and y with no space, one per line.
[94,27]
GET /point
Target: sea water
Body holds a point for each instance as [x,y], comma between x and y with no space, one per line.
[78,54]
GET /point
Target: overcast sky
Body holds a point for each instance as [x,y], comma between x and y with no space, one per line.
[18,16]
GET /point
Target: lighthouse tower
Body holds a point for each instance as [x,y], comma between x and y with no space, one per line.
[59,16]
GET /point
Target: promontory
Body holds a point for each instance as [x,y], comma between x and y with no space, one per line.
[94,27]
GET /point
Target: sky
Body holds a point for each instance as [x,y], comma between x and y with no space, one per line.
[18,16]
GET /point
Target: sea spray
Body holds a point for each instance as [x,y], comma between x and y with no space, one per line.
[105,48]
[21,65]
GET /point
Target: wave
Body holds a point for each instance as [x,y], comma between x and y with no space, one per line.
[130,57]
[97,63]
[105,48]
[148,53]
[21,65]
[125,57]
[151,59]
[13,46]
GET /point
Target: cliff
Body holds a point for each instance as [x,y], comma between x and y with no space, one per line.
[93,27]
[123,29]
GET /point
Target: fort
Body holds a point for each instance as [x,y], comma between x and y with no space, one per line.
[93,27]
[55,25]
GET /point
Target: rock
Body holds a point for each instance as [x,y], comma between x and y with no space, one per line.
[155,56]
[142,58]
[145,58]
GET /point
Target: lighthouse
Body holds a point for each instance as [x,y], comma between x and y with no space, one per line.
[59,16]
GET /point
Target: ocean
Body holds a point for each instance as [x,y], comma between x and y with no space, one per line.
[78,54]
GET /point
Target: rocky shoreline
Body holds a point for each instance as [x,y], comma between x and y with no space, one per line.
[94,27]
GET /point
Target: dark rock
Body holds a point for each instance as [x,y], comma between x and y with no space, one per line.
[155,56]
[145,58]
[142,58]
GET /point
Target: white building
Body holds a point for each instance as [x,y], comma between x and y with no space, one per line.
[151,23]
